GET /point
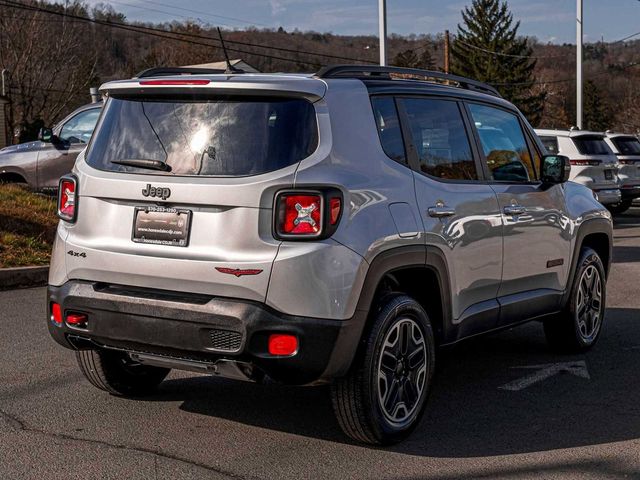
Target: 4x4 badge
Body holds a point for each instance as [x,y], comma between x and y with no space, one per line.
[237,272]
[162,193]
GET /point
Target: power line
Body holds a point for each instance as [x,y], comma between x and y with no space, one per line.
[148,31]
[206,14]
[195,36]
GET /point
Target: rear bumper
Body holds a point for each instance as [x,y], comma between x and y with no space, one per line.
[185,329]
[608,195]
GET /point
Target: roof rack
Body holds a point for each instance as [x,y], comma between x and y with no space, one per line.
[388,73]
[160,71]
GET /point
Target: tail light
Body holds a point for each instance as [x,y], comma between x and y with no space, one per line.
[303,215]
[56,313]
[627,162]
[592,163]
[68,198]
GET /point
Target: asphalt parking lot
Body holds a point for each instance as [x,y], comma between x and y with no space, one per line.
[503,406]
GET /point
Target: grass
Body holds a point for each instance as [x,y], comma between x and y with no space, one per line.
[27,226]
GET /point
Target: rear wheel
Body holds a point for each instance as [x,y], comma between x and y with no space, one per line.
[578,327]
[116,373]
[383,397]
[620,207]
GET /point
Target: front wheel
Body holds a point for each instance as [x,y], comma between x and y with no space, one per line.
[383,397]
[578,327]
[115,372]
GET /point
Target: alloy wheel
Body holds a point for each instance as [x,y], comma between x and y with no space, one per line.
[589,303]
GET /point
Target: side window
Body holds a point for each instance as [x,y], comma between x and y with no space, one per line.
[550,143]
[504,145]
[386,115]
[79,128]
[440,138]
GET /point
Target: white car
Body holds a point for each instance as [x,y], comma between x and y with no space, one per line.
[627,149]
[593,163]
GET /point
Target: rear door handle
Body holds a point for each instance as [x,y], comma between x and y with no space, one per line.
[441,211]
[514,210]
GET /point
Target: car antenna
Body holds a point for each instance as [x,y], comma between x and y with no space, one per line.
[230,68]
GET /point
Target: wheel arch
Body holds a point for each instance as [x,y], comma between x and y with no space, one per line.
[596,233]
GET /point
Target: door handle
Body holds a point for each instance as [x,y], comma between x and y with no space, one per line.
[441,211]
[514,210]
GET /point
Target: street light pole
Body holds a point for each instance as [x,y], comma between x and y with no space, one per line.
[579,39]
[382,23]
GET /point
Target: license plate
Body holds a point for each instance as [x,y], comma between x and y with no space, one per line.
[608,174]
[161,226]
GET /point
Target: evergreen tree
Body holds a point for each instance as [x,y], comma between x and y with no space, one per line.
[597,114]
[410,59]
[487,48]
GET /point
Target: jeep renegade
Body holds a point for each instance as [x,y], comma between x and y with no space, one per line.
[309,229]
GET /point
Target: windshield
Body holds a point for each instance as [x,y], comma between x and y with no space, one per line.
[627,145]
[229,136]
[592,145]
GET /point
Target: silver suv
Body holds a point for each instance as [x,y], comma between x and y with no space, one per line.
[326,228]
[592,162]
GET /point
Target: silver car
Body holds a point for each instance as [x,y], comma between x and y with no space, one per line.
[41,163]
[325,228]
[593,164]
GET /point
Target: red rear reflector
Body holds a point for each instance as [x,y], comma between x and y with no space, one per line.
[283,345]
[302,215]
[77,319]
[56,313]
[67,199]
[335,205]
[175,82]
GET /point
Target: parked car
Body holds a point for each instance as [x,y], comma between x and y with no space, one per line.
[593,164]
[41,163]
[627,148]
[311,229]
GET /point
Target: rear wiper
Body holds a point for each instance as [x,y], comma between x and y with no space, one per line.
[144,163]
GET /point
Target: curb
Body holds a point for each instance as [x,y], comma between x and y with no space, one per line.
[23,277]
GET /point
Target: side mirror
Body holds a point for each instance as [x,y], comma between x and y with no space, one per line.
[45,135]
[555,169]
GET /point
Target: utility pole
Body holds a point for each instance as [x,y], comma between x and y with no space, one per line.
[579,38]
[446,51]
[382,22]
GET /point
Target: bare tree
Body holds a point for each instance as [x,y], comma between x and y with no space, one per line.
[51,60]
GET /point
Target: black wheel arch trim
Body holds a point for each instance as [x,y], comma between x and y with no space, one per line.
[386,262]
[589,227]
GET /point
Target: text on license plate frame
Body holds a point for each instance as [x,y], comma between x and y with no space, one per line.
[161,226]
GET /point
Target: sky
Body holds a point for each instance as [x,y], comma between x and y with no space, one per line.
[548,20]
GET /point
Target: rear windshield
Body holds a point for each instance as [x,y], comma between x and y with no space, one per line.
[550,143]
[591,145]
[627,145]
[229,136]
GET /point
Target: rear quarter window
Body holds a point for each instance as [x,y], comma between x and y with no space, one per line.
[225,136]
[550,143]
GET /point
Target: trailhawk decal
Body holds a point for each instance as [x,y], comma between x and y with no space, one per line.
[238,272]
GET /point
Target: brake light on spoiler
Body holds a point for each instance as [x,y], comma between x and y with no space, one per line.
[175,82]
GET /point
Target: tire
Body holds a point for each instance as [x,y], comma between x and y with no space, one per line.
[116,373]
[359,398]
[620,207]
[578,327]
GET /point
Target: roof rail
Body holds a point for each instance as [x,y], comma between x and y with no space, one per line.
[387,73]
[159,71]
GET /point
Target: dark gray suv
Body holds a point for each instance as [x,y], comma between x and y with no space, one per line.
[40,164]
[326,228]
